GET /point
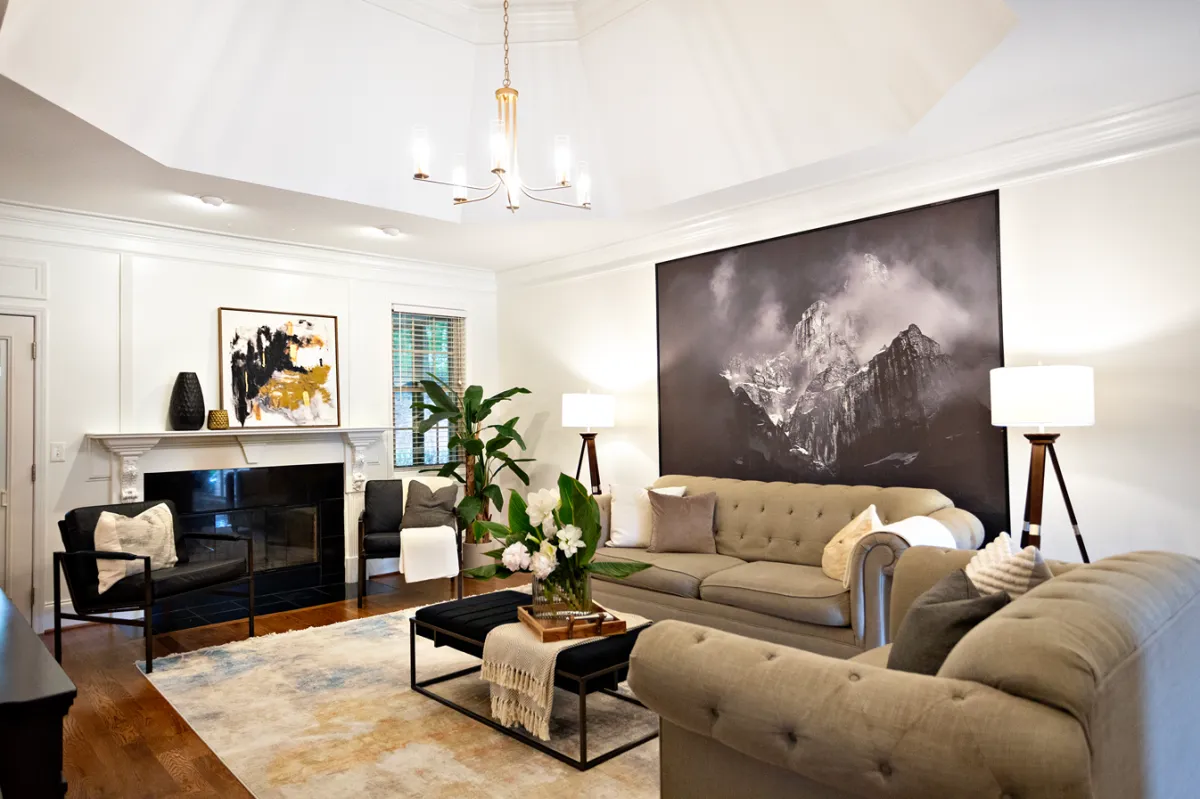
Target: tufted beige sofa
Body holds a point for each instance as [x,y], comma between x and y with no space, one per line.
[1084,688]
[765,580]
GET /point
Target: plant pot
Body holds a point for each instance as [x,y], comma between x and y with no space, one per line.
[475,555]
[186,411]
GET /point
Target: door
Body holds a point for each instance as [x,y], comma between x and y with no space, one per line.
[16,460]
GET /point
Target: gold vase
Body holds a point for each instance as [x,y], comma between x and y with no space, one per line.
[218,420]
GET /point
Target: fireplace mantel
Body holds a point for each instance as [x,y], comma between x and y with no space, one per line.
[127,448]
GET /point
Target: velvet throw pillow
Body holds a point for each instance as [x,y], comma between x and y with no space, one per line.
[938,620]
[683,524]
[428,508]
[630,517]
[835,559]
[151,532]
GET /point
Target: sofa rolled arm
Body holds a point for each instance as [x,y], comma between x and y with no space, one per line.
[871,565]
[963,525]
[863,730]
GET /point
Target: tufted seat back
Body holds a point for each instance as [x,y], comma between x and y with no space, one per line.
[792,522]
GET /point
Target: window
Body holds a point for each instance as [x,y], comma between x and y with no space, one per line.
[424,344]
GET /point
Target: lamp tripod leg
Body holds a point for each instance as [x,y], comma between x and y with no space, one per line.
[1032,534]
[1062,484]
[579,466]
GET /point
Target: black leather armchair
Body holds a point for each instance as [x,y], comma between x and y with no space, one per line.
[379,530]
[144,590]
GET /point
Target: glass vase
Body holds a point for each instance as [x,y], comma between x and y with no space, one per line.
[562,596]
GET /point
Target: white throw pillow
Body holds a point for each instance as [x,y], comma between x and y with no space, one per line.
[151,533]
[835,559]
[921,531]
[1000,566]
[630,520]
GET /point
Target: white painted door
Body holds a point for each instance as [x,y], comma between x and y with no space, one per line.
[16,460]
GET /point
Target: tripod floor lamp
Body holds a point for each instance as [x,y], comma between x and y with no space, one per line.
[588,411]
[1041,397]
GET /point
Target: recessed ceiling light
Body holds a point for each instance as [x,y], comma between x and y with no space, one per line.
[389,231]
[212,200]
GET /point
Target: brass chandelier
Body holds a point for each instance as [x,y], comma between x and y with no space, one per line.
[503,159]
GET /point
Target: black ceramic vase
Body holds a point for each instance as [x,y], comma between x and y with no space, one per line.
[186,411]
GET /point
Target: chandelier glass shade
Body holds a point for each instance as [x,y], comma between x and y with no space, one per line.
[502,157]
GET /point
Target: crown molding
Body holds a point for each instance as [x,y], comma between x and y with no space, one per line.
[72,228]
[1121,136]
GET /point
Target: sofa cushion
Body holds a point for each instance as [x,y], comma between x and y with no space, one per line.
[176,580]
[382,544]
[792,522]
[673,573]
[787,590]
[938,620]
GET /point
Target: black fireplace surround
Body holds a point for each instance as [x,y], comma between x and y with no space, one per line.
[295,515]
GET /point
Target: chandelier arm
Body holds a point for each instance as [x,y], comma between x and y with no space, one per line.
[487,196]
[557,187]
[532,196]
[457,185]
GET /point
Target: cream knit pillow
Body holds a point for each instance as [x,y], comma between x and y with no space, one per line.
[1000,566]
[151,533]
[835,560]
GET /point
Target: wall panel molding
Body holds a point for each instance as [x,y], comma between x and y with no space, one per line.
[22,278]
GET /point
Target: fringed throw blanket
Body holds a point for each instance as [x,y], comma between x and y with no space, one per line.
[521,671]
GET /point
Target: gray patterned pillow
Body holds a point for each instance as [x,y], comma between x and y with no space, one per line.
[938,620]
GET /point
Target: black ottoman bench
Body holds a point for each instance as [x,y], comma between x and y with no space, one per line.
[599,665]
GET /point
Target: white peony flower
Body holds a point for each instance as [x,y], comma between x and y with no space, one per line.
[542,565]
[549,528]
[516,557]
[570,539]
[540,505]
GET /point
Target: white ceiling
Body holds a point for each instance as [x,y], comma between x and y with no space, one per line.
[1064,62]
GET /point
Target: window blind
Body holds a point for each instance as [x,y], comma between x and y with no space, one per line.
[424,344]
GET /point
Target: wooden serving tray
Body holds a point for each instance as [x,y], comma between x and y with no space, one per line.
[551,630]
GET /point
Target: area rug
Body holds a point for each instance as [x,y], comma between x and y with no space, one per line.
[327,712]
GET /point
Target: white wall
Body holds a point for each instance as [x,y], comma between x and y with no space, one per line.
[1099,266]
[127,307]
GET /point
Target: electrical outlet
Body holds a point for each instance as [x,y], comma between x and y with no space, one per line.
[58,452]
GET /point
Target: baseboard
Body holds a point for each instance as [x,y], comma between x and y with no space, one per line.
[44,622]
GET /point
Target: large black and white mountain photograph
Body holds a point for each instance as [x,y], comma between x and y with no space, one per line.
[852,354]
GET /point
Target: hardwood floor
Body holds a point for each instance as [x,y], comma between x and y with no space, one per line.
[122,739]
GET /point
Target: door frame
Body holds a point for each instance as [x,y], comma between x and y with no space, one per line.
[40,561]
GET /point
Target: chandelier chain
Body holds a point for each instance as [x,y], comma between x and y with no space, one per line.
[507,82]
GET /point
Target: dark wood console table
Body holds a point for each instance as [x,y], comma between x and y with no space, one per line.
[35,695]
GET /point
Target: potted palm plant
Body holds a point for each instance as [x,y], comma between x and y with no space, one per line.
[484,451]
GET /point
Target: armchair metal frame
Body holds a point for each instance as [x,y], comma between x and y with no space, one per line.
[148,602]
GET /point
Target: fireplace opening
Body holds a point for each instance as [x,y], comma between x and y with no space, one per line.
[294,515]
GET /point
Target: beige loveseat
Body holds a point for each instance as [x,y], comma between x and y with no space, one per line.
[765,580]
[1085,688]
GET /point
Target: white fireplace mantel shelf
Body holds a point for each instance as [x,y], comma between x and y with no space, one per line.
[127,448]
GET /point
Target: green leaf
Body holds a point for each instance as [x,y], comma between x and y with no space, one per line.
[495,553]
[481,528]
[433,420]
[617,571]
[473,447]
[494,493]
[491,402]
[469,508]
[439,396]
[511,465]
[472,397]
[497,443]
[518,515]
[488,572]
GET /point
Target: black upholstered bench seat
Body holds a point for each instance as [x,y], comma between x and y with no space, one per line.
[474,617]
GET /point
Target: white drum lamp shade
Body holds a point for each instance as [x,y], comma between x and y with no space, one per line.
[1043,396]
[588,410]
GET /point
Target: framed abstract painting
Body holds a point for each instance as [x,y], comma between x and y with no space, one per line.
[278,369]
[853,354]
